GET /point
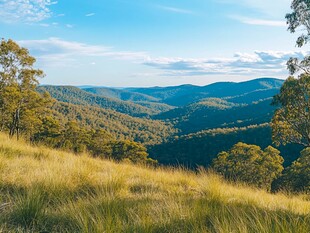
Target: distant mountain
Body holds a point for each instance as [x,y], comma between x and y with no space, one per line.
[218,113]
[137,98]
[185,124]
[187,94]
[120,94]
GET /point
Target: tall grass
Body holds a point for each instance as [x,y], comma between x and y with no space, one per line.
[43,190]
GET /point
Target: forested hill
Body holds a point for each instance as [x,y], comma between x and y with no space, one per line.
[120,125]
[187,94]
[185,124]
[120,94]
[218,113]
[75,95]
[137,98]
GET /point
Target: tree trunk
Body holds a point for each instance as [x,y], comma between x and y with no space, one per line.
[12,126]
[15,124]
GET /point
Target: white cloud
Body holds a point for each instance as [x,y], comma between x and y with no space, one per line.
[90,14]
[261,22]
[28,11]
[175,10]
[272,8]
[258,63]
[44,24]
[69,26]
[55,51]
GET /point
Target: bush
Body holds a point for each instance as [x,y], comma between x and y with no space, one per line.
[296,178]
[250,164]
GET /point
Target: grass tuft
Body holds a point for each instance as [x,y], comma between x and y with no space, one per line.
[43,190]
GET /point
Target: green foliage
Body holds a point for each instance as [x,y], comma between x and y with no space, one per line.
[199,149]
[62,192]
[28,210]
[291,122]
[296,178]
[49,131]
[21,107]
[120,126]
[250,164]
[298,20]
[218,113]
[188,94]
[77,96]
[128,150]
[73,137]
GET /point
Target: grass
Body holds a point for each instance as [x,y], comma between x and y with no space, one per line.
[43,190]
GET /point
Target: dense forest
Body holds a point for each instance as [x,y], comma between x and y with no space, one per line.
[189,126]
[224,157]
[191,135]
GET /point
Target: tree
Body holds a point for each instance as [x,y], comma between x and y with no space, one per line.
[291,122]
[131,151]
[49,132]
[250,164]
[296,178]
[99,144]
[75,138]
[21,106]
[299,19]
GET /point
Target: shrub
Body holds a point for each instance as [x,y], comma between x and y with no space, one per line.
[250,164]
[296,178]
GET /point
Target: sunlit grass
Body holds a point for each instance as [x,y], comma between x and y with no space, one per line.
[43,190]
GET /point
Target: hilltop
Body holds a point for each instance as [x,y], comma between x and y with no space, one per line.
[170,121]
[44,190]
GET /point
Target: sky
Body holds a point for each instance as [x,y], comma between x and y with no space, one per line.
[121,43]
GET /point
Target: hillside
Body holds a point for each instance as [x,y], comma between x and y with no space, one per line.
[45,190]
[77,96]
[200,148]
[120,125]
[120,94]
[137,98]
[218,113]
[179,135]
[187,94]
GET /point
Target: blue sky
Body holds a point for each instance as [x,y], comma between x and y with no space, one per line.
[152,43]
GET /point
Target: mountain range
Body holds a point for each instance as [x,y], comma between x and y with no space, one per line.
[184,124]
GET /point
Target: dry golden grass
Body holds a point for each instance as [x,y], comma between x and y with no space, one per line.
[53,191]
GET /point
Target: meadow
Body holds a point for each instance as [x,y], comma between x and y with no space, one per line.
[45,190]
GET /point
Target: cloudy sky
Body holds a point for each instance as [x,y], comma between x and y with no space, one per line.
[152,42]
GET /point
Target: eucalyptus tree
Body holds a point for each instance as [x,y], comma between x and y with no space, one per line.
[291,122]
[21,106]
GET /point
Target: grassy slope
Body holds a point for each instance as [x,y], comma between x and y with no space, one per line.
[53,191]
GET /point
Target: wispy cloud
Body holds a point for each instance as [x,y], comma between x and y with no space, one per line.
[272,8]
[175,10]
[69,26]
[55,52]
[90,14]
[258,63]
[260,22]
[25,10]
